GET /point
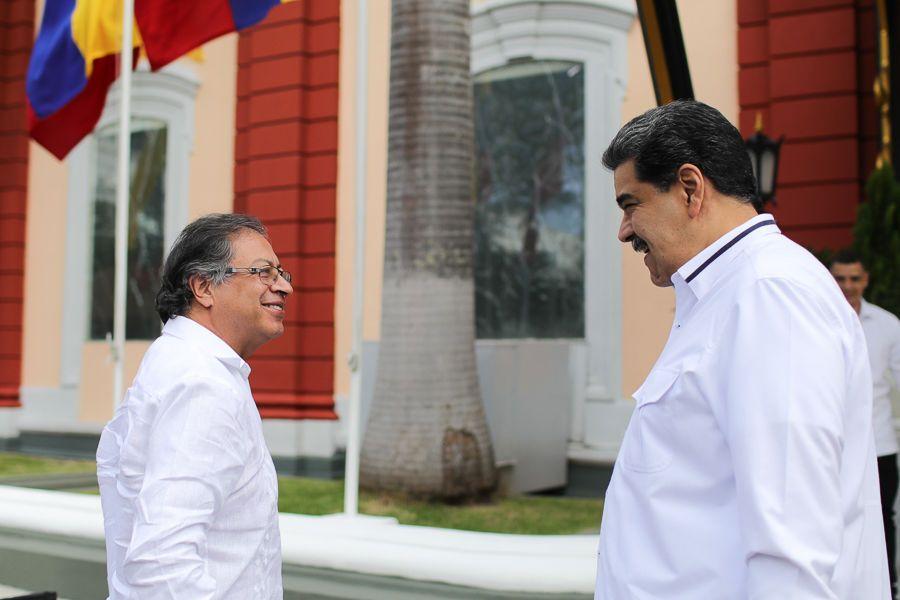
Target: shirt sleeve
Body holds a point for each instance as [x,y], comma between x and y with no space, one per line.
[784,379]
[894,358]
[196,455]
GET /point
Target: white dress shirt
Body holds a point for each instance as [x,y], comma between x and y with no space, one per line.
[189,492]
[883,340]
[748,467]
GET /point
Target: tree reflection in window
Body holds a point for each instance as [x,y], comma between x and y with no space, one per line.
[145,231]
[529,224]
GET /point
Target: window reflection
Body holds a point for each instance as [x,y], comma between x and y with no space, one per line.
[529,264]
[145,227]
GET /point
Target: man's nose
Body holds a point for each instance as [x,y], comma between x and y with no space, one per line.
[625,229]
[281,285]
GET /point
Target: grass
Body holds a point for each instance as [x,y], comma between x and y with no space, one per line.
[539,515]
[16,465]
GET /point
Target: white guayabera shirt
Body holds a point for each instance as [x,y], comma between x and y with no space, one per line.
[189,492]
[883,340]
[748,468]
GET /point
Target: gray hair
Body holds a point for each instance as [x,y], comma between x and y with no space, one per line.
[203,249]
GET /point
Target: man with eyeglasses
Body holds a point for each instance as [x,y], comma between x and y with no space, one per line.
[882,330]
[187,484]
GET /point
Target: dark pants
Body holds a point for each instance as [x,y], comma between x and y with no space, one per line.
[889,478]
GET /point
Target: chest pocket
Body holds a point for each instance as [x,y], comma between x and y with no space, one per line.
[648,441]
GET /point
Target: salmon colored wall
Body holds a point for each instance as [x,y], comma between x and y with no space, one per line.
[377,57]
[96,389]
[211,187]
[44,275]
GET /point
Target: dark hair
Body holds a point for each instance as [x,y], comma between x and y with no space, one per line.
[203,248]
[846,256]
[685,131]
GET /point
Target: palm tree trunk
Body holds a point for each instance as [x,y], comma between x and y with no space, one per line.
[427,433]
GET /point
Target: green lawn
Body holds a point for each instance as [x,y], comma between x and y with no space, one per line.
[515,514]
[15,465]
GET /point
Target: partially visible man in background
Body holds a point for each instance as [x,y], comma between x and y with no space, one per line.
[189,492]
[882,331]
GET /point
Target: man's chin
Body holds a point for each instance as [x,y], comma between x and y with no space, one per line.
[660,281]
[656,278]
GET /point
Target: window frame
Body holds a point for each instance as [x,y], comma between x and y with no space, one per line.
[594,33]
[531,62]
[167,96]
[110,132]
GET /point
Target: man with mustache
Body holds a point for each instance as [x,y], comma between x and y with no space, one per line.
[189,492]
[748,467]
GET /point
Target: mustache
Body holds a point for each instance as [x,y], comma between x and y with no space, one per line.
[639,244]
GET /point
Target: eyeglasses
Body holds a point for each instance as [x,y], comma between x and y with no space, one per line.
[268,274]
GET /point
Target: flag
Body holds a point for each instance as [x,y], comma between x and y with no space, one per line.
[73,63]
[171,28]
[75,56]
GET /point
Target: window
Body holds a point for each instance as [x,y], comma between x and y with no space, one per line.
[145,226]
[529,224]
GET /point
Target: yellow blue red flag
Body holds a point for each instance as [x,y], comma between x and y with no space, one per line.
[75,56]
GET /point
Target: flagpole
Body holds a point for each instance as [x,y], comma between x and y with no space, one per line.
[351,464]
[123,183]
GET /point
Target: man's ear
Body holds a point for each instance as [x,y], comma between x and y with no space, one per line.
[694,186]
[202,290]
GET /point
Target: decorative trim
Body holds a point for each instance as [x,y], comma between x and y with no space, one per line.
[9,397]
[882,84]
[274,405]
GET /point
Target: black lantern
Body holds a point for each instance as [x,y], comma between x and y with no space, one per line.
[764,152]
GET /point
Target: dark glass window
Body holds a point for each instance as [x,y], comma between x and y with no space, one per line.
[529,224]
[145,231]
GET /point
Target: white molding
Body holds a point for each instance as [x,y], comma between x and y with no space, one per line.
[54,410]
[300,438]
[167,96]
[9,418]
[594,33]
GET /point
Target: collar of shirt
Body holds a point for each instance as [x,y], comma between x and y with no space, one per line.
[206,341]
[865,310]
[699,275]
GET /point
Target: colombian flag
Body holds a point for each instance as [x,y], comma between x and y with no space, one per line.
[75,56]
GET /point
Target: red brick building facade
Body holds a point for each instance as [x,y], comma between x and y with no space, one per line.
[16,34]
[808,67]
[286,174]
